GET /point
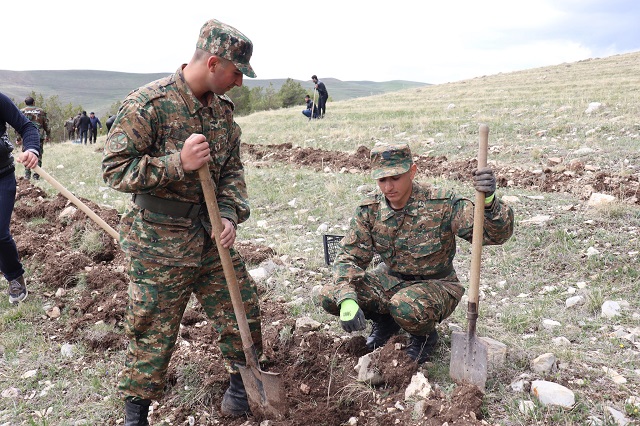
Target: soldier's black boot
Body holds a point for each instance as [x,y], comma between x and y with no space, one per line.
[135,413]
[383,328]
[421,347]
[234,400]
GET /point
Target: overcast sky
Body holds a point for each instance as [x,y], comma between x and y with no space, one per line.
[418,40]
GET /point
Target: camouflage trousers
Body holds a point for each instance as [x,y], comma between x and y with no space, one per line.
[158,296]
[417,306]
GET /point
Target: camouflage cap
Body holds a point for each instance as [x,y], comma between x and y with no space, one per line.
[225,41]
[390,160]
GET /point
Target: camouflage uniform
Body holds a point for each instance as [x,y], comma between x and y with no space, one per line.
[38,117]
[416,282]
[171,257]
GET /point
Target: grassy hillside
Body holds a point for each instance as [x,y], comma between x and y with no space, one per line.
[98,90]
[540,121]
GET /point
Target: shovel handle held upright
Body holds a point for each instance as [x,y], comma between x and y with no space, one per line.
[227,264]
[82,206]
[478,234]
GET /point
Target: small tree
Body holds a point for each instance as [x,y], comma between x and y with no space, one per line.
[241,97]
[292,93]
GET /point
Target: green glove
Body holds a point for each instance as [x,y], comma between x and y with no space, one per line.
[351,316]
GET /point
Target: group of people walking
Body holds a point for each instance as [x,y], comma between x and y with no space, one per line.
[83,127]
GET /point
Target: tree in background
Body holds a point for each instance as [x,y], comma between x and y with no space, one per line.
[292,93]
[241,97]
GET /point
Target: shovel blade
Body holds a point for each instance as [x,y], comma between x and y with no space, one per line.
[469,359]
[265,392]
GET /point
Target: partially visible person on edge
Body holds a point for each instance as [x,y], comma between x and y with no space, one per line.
[323,95]
[163,133]
[109,122]
[84,123]
[310,105]
[413,228]
[39,118]
[95,124]
[10,264]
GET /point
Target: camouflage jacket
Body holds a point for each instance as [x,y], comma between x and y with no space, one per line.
[419,240]
[38,117]
[142,155]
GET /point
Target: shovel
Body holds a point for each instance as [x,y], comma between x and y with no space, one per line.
[264,389]
[82,206]
[469,354]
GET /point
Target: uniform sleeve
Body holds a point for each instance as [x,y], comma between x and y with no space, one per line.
[232,188]
[354,255]
[498,221]
[127,165]
[25,128]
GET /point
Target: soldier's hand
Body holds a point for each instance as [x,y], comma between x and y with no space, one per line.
[351,316]
[195,153]
[484,181]
[228,234]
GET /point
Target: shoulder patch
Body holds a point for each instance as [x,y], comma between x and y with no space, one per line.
[118,142]
[369,200]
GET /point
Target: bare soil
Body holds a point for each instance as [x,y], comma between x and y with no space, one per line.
[317,367]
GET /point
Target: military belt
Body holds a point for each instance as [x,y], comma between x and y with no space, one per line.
[168,207]
[406,277]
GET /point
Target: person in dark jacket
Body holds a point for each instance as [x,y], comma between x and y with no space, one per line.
[109,122]
[10,264]
[323,95]
[83,126]
[310,106]
[95,124]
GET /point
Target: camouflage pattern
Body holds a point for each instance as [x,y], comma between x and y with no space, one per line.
[390,160]
[173,256]
[227,42]
[39,117]
[419,240]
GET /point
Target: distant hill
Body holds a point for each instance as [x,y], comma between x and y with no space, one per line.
[98,90]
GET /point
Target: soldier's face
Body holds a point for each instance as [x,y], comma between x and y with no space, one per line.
[397,189]
[225,77]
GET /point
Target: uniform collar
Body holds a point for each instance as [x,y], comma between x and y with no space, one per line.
[190,99]
[410,209]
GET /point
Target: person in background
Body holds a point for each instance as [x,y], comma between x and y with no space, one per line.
[323,95]
[39,118]
[310,106]
[10,264]
[413,228]
[76,127]
[84,123]
[69,129]
[110,121]
[95,124]
[163,133]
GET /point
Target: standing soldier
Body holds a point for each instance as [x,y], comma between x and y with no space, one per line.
[38,117]
[413,228]
[163,133]
[68,127]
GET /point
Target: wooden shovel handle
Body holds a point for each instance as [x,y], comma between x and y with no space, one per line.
[227,264]
[478,235]
[82,206]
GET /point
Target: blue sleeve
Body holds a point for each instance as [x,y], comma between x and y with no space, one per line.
[10,114]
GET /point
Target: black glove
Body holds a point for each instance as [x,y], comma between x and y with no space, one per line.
[351,316]
[484,181]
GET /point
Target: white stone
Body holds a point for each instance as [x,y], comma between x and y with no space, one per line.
[518,385]
[545,363]
[593,106]
[526,407]
[29,374]
[592,251]
[616,377]
[11,393]
[324,227]
[292,203]
[561,341]
[537,220]
[597,199]
[67,350]
[418,388]
[581,284]
[262,224]
[366,374]
[511,199]
[258,274]
[610,309]
[305,324]
[550,324]
[574,301]
[619,418]
[67,212]
[549,393]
